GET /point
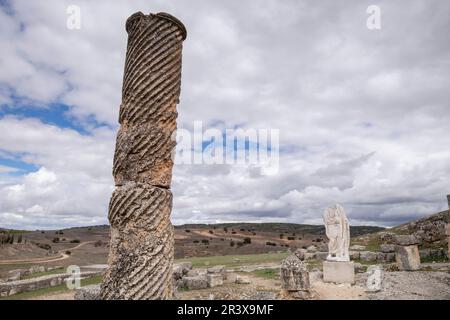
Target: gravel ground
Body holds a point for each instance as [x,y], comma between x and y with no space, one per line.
[418,285]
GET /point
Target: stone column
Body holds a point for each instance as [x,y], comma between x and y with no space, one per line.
[407,252]
[447,228]
[142,246]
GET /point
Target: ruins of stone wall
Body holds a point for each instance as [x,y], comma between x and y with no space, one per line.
[19,286]
[142,244]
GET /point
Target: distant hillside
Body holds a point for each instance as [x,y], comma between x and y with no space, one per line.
[428,230]
[281,228]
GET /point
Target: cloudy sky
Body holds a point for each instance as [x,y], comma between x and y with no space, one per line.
[363,114]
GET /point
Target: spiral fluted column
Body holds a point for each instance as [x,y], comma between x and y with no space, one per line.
[142,246]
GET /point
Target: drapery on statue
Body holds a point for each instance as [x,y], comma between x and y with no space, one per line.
[142,245]
[338,232]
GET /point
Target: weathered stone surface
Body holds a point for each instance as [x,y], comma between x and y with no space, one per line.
[136,205]
[242,280]
[214,280]
[141,247]
[407,257]
[430,229]
[387,248]
[315,275]
[368,256]
[375,279]
[152,77]
[144,154]
[390,257]
[388,237]
[181,269]
[311,249]
[91,292]
[216,269]
[196,282]
[263,295]
[15,287]
[439,253]
[359,268]
[339,271]
[354,255]
[294,275]
[321,255]
[300,254]
[323,247]
[357,247]
[406,240]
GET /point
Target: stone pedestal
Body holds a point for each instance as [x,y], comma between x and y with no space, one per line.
[407,257]
[339,271]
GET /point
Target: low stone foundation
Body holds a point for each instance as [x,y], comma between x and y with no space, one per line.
[15,287]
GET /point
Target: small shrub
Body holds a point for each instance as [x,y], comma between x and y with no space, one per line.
[205,241]
[75,241]
[98,243]
[55,240]
[231,243]
[195,241]
[44,246]
[273,244]
[68,252]
[247,240]
[211,232]
[187,230]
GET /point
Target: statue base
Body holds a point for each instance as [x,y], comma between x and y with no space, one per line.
[339,271]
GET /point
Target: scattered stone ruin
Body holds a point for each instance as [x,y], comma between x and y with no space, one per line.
[294,275]
[142,245]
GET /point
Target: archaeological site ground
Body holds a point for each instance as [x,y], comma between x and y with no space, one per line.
[230,151]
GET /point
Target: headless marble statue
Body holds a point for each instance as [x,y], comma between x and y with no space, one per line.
[338,232]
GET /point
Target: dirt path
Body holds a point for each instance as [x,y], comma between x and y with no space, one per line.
[61,256]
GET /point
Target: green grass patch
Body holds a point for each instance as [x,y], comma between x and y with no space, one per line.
[437,258]
[45,273]
[56,289]
[266,273]
[229,261]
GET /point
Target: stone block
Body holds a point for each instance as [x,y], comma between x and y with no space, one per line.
[407,257]
[406,240]
[214,280]
[321,255]
[91,292]
[339,271]
[387,248]
[143,154]
[294,274]
[242,280]
[375,279]
[357,247]
[368,256]
[195,283]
